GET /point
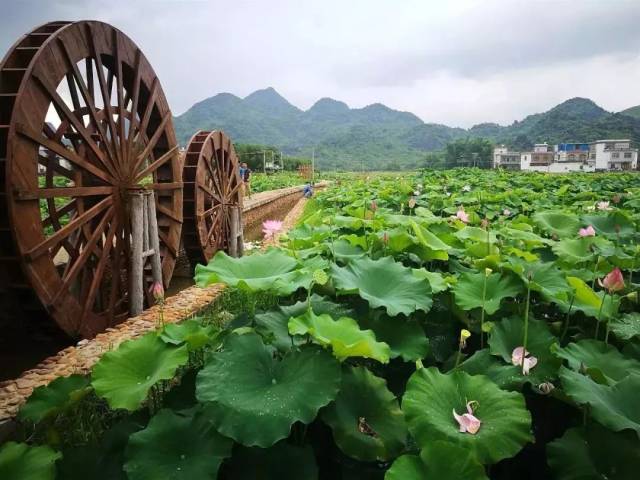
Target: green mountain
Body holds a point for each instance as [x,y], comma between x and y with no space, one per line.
[378,137]
[632,112]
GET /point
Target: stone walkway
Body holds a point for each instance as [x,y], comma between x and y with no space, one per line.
[81,358]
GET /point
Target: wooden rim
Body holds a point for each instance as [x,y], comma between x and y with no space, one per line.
[212,185]
[83,121]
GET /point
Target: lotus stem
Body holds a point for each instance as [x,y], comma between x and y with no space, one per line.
[566,320]
[526,323]
[484,296]
[595,271]
[600,315]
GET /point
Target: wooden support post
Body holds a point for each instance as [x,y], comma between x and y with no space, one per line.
[233,232]
[136,271]
[156,266]
[236,236]
[145,243]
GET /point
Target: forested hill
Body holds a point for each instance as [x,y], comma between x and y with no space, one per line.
[378,137]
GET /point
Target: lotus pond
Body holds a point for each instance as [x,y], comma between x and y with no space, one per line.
[458,324]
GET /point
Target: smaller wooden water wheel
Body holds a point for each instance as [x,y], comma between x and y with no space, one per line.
[212,187]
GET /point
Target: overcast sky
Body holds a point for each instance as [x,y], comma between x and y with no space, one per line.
[452,62]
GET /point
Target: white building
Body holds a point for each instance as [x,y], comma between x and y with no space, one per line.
[503,158]
[613,155]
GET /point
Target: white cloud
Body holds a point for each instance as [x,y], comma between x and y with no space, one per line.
[457,63]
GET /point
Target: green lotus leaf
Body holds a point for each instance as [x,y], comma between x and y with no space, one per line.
[529,238]
[343,336]
[124,376]
[627,326]
[477,235]
[273,271]
[575,250]
[254,398]
[356,240]
[431,397]
[592,354]
[594,453]
[613,225]
[507,334]
[435,279]
[52,399]
[561,224]
[274,324]
[399,240]
[365,418]
[177,447]
[281,462]
[470,286]
[343,250]
[584,299]
[21,461]
[407,467]
[406,338]
[438,460]
[615,406]
[431,242]
[384,283]
[508,377]
[190,332]
[545,278]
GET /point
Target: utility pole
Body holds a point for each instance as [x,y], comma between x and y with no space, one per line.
[313,163]
[264,161]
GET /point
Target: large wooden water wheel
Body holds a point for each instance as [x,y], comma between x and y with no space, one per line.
[212,187]
[83,122]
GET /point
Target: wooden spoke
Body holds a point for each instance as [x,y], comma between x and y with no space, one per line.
[80,261]
[89,100]
[64,192]
[68,229]
[152,142]
[156,164]
[106,97]
[65,153]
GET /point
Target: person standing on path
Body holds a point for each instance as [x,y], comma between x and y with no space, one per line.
[246,179]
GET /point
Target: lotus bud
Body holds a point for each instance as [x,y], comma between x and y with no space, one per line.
[484,223]
[487,272]
[616,198]
[412,202]
[385,238]
[373,206]
[587,232]
[546,388]
[613,282]
[157,292]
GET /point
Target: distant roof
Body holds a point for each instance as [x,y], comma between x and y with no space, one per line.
[613,140]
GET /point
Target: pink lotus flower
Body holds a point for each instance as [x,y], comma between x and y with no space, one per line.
[466,188]
[462,216]
[603,206]
[587,232]
[157,291]
[385,238]
[506,212]
[613,282]
[374,206]
[270,228]
[467,422]
[517,359]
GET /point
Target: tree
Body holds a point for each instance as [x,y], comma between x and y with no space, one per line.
[469,152]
